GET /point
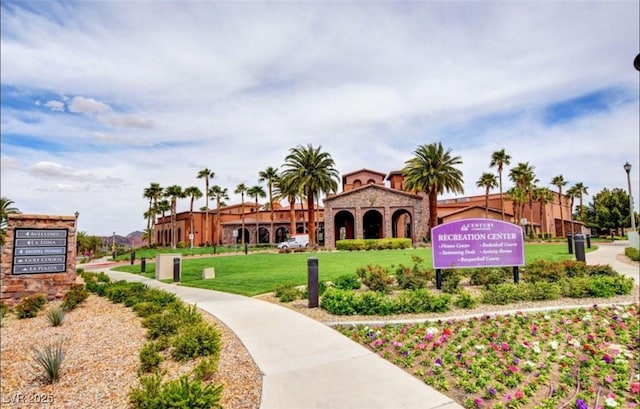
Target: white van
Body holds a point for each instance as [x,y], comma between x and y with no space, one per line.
[300,240]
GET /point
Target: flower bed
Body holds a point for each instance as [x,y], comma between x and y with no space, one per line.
[580,358]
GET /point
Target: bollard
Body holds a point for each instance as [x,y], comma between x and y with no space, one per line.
[113,255]
[246,248]
[214,249]
[516,274]
[312,281]
[176,269]
[579,243]
[143,265]
[133,257]
[588,241]
[438,279]
[570,242]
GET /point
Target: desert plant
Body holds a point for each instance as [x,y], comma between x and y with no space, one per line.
[76,295]
[164,323]
[200,339]
[55,316]
[375,277]
[465,300]
[49,360]
[188,394]
[207,367]
[150,359]
[147,396]
[414,277]
[30,305]
[347,282]
[287,292]
[146,308]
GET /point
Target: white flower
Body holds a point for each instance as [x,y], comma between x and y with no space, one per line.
[587,318]
[575,343]
[547,317]
[529,364]
[536,347]
[479,347]
[432,330]
[553,345]
[610,403]
[625,316]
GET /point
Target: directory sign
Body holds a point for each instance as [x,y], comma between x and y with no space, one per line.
[37,251]
[477,243]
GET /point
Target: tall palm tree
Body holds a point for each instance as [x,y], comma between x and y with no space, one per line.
[219,194]
[206,174]
[543,196]
[499,159]
[433,171]
[524,179]
[572,194]
[517,196]
[314,172]
[256,192]
[269,175]
[173,192]
[6,208]
[153,193]
[287,189]
[582,190]
[162,208]
[488,181]
[241,189]
[558,181]
[193,193]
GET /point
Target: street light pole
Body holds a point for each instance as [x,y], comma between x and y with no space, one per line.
[627,168]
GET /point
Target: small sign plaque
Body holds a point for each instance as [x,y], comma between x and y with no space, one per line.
[40,251]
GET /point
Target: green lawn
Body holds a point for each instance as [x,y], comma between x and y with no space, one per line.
[258,273]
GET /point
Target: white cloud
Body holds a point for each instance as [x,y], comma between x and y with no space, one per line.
[55,105]
[127,121]
[53,170]
[87,105]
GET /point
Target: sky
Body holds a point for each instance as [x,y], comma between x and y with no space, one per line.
[99,99]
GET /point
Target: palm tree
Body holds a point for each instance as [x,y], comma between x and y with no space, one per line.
[572,194]
[173,192]
[582,190]
[162,207]
[543,196]
[558,181]
[192,193]
[523,177]
[269,175]
[286,189]
[256,192]
[219,194]
[6,208]
[433,171]
[241,189]
[499,159]
[313,172]
[206,174]
[517,196]
[153,193]
[488,181]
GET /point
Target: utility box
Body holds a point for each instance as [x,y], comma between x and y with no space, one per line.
[208,272]
[164,265]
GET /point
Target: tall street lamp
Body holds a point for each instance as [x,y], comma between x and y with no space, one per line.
[77,213]
[627,168]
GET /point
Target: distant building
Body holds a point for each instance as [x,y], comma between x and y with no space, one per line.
[372,204]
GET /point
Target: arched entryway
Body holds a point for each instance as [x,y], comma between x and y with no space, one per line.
[343,225]
[401,224]
[263,236]
[239,238]
[372,225]
[281,234]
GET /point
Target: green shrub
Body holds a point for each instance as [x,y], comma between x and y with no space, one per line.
[374,303]
[465,300]
[159,297]
[322,287]
[574,268]
[148,395]
[606,286]
[501,294]
[146,308]
[375,277]
[150,359]
[163,323]
[451,280]
[540,291]
[55,316]
[287,292]
[414,277]
[30,305]
[490,276]
[186,394]
[207,367]
[422,301]
[200,339]
[4,310]
[577,287]
[76,295]
[373,244]
[601,270]
[49,360]
[339,302]
[127,293]
[633,253]
[189,314]
[347,282]
[542,270]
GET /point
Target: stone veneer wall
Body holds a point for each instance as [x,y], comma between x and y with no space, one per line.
[52,285]
[382,199]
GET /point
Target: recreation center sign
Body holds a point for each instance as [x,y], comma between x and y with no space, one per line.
[38,251]
[477,243]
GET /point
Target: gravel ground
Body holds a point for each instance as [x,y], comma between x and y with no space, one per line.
[103,340]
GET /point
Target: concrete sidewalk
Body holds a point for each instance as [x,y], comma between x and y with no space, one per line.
[606,254]
[305,363]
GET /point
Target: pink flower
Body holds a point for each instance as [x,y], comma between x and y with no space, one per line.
[608,379]
[519,394]
[505,346]
[478,402]
[635,387]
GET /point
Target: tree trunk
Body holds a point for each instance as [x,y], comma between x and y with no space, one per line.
[312,228]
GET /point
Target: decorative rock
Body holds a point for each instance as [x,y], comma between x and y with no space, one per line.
[208,272]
